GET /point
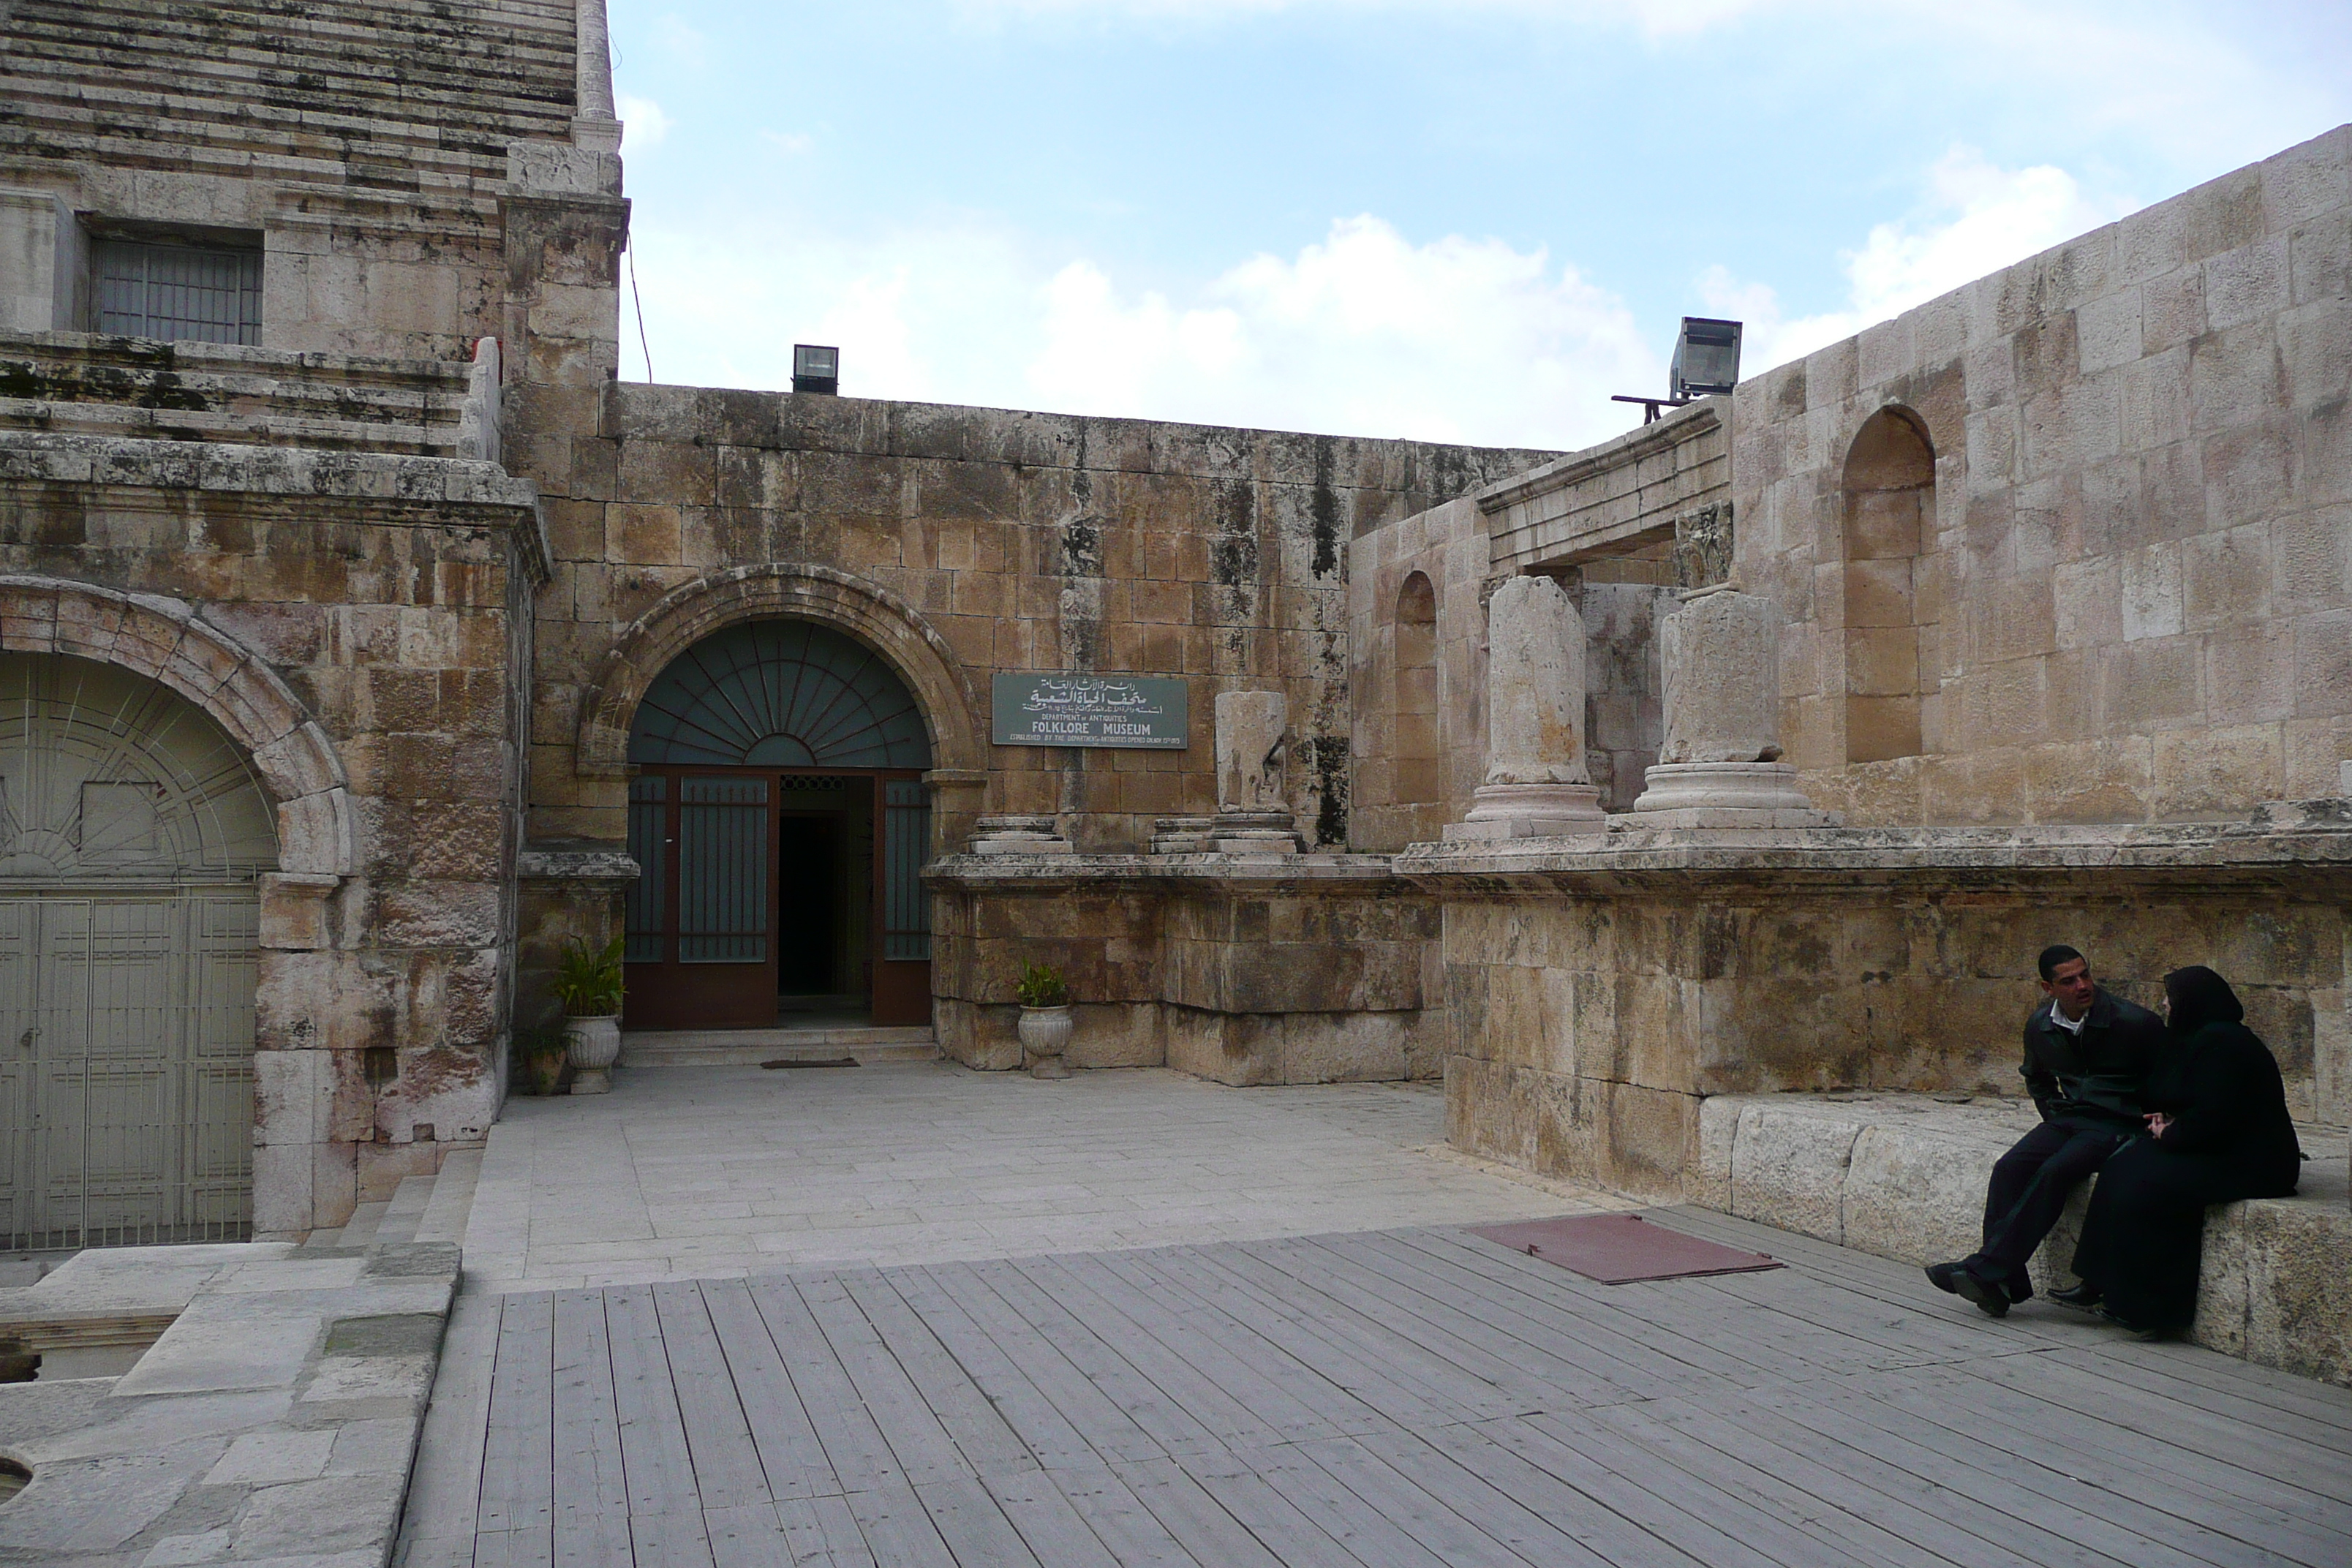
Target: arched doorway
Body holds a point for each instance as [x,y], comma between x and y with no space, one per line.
[779,818]
[132,832]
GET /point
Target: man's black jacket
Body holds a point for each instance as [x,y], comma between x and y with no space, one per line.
[2097,1076]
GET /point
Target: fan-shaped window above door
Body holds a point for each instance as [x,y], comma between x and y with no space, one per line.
[785,694]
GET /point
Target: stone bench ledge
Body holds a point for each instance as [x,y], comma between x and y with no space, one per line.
[1903,1175]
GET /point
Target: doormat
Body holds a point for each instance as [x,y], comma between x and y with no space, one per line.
[1619,1248]
[798,1062]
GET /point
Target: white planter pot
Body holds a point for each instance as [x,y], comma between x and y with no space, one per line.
[1044,1035]
[593,1044]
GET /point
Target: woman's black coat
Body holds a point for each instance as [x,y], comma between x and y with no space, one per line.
[2228,1137]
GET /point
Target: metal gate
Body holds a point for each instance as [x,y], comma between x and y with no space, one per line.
[131,834]
[126,1066]
[747,730]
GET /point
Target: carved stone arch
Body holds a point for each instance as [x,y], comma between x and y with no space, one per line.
[873,615]
[172,644]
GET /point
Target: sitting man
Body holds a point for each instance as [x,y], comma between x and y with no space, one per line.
[2086,1054]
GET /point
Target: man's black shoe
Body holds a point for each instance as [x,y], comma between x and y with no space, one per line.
[2083,1298]
[1990,1299]
[2139,1330]
[1941,1275]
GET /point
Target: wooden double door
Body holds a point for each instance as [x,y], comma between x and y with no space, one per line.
[775,896]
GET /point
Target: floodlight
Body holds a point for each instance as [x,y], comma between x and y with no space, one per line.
[816,369]
[1707,358]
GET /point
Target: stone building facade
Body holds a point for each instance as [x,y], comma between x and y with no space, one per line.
[508,652]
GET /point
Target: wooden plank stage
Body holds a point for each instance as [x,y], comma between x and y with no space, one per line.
[1399,1397]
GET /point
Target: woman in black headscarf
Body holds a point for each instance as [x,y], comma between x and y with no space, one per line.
[2218,1131]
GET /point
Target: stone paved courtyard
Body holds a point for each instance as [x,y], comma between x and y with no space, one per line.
[702,1172]
[914,1315]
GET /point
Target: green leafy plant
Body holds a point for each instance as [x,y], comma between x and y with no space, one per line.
[539,1058]
[1042,985]
[588,979]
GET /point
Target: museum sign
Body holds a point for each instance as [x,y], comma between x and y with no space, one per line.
[1140,710]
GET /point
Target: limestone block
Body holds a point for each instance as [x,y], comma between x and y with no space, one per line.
[1914,1195]
[1710,1181]
[1721,667]
[1016,836]
[293,1095]
[1789,1169]
[2298,1287]
[1117,1034]
[1534,685]
[1250,728]
[282,1182]
[1183,835]
[1345,1048]
[42,264]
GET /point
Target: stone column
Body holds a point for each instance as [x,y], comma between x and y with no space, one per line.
[1537,786]
[1720,765]
[1254,814]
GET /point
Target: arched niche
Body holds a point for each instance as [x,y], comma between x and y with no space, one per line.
[1417,771]
[1887,501]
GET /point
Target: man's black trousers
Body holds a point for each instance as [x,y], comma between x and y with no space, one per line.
[2028,1191]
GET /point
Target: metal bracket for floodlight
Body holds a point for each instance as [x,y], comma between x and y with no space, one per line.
[817,368]
[1650,406]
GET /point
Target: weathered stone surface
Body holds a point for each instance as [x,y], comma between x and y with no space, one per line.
[1534,685]
[1721,656]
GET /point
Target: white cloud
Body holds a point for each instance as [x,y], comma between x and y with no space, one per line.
[791,143]
[647,124]
[1975,219]
[1363,333]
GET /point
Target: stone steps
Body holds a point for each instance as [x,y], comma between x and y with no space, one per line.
[496,75]
[306,143]
[751,1047]
[298,37]
[85,383]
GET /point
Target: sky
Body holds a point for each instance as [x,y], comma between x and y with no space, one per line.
[1458,220]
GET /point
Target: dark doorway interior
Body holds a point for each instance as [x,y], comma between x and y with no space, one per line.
[808,865]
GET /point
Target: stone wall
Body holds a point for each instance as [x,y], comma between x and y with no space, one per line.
[363,149]
[1311,969]
[2130,595]
[377,598]
[1623,526]
[1598,990]
[968,542]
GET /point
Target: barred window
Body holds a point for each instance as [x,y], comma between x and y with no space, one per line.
[178,291]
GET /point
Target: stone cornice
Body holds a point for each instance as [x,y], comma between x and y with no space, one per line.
[1687,424]
[33,456]
[2300,844]
[1239,873]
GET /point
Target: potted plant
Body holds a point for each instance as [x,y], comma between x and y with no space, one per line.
[588,984]
[540,1059]
[1045,1024]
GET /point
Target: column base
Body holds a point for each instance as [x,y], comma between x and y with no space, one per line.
[1531,811]
[1726,794]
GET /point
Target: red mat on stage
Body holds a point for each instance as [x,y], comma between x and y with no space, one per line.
[1618,1248]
